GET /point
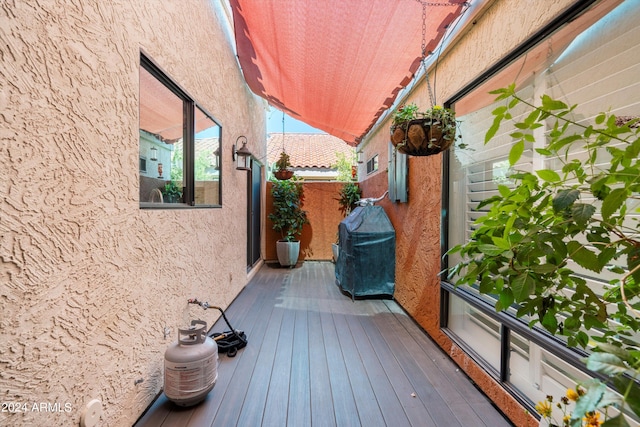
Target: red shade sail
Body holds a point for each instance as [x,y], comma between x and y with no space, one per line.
[336,65]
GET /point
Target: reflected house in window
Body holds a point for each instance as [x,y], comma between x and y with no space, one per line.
[179,143]
[206,167]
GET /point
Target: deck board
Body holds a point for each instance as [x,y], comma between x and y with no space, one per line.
[299,407]
[322,414]
[317,358]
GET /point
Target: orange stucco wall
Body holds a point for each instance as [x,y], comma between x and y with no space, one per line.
[323,211]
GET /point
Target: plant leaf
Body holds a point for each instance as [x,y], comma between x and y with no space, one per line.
[516,152]
[548,175]
[583,256]
[552,104]
[493,129]
[588,402]
[564,199]
[582,213]
[617,421]
[613,201]
[550,322]
[505,300]
[543,268]
[501,243]
[633,398]
[523,286]
[490,249]
[606,363]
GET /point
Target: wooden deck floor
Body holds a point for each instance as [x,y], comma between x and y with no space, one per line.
[317,358]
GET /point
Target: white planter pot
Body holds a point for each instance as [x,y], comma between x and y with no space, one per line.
[288,252]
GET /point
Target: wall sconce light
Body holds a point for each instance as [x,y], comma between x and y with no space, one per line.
[360,157]
[153,154]
[242,155]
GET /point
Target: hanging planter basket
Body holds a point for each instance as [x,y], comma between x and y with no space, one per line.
[424,133]
[283,175]
[422,137]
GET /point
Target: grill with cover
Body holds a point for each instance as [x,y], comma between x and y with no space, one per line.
[367,259]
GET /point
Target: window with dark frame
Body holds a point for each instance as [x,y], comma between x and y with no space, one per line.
[529,362]
[180,144]
[372,164]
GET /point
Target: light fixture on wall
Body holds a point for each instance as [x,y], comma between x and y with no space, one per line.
[242,155]
[360,157]
[153,154]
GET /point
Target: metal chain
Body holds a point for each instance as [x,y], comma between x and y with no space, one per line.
[283,132]
[423,62]
[424,30]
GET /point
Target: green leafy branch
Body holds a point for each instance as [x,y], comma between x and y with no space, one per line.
[538,234]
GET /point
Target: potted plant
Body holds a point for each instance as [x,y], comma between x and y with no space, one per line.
[171,193]
[283,164]
[350,193]
[288,218]
[423,133]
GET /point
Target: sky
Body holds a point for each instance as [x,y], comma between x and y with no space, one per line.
[291,125]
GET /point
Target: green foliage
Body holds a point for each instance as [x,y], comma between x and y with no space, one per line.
[202,165]
[405,114]
[283,162]
[177,163]
[343,165]
[288,217]
[171,192]
[522,247]
[350,193]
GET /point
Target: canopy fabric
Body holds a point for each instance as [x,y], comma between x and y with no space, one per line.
[336,65]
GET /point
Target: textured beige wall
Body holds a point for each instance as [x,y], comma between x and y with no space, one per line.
[496,31]
[88,281]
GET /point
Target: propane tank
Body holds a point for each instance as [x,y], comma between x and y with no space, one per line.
[190,365]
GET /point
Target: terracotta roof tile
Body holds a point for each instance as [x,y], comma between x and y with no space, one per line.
[308,150]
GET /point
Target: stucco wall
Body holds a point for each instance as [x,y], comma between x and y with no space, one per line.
[324,214]
[494,32]
[93,288]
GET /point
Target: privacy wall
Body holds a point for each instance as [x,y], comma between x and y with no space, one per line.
[92,288]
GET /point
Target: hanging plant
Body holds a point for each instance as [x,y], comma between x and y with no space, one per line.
[423,133]
[282,171]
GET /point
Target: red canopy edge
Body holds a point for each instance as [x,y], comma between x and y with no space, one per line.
[335,65]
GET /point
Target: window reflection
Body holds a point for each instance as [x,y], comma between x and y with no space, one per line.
[179,160]
[207,160]
[161,136]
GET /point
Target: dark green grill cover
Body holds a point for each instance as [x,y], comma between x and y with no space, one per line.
[366,262]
